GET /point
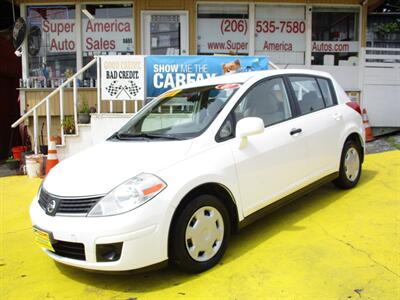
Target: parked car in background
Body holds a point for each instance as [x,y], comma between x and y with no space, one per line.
[195,165]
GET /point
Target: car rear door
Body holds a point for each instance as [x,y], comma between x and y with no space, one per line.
[321,121]
[274,162]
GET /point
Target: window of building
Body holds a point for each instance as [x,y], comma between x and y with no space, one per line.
[335,36]
[51,42]
[307,94]
[281,33]
[165,34]
[222,29]
[106,30]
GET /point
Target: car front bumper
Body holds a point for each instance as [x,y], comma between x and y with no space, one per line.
[143,232]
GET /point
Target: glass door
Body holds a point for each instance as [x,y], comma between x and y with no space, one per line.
[165,33]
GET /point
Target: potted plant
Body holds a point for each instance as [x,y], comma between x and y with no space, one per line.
[12,164]
[387,31]
[84,113]
[68,125]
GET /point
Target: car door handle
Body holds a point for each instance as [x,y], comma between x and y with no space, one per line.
[295,131]
[337,116]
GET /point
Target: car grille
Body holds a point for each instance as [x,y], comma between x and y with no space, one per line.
[66,205]
[70,250]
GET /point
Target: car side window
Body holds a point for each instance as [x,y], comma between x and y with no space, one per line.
[267,100]
[307,94]
[326,91]
[226,131]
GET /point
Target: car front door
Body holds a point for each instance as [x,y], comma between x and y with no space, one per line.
[273,163]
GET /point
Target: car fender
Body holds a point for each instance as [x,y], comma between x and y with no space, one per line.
[213,166]
[350,128]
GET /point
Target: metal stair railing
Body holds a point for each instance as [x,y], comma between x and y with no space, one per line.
[46,101]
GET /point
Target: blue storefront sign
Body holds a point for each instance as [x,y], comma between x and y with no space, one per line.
[166,72]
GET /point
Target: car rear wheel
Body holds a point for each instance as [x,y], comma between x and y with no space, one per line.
[200,234]
[350,166]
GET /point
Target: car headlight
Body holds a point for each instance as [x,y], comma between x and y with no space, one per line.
[129,195]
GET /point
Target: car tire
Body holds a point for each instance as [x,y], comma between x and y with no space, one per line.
[350,166]
[200,234]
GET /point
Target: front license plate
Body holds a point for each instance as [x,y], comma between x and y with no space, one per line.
[42,238]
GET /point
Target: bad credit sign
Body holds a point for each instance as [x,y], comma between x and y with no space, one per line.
[122,77]
[98,35]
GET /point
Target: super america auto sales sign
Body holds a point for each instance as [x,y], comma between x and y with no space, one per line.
[98,35]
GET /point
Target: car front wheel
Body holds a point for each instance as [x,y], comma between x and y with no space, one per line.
[350,166]
[200,234]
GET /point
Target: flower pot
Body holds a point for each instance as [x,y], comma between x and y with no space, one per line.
[83,118]
[34,165]
[69,131]
[16,151]
[24,155]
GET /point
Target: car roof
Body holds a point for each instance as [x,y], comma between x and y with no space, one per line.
[245,76]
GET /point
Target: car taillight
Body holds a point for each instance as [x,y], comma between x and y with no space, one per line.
[355,106]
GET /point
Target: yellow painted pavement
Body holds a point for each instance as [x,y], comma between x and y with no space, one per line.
[330,244]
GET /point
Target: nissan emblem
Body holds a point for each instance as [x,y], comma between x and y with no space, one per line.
[51,206]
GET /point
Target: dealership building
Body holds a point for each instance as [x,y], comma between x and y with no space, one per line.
[295,33]
[289,32]
[327,35]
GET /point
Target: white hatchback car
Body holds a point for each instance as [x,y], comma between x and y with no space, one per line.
[196,164]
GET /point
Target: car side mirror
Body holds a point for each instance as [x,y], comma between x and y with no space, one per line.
[247,127]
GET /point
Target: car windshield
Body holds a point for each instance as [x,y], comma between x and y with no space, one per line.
[178,114]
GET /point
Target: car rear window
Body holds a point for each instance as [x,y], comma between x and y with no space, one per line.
[326,91]
[308,94]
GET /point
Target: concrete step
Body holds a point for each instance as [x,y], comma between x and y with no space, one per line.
[101,127]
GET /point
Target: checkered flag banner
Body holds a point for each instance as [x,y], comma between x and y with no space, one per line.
[132,88]
[122,77]
[115,89]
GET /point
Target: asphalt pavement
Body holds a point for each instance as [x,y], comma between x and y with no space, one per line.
[330,244]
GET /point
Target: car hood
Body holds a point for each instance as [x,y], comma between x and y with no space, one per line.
[99,169]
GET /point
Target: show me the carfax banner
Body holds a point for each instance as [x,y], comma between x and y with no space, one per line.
[122,77]
[166,72]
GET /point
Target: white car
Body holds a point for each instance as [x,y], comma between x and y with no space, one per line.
[196,164]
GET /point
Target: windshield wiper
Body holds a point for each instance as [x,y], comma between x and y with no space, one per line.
[157,136]
[144,136]
[126,136]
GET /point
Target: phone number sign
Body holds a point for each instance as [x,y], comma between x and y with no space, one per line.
[223,36]
[280,28]
[277,35]
[231,35]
